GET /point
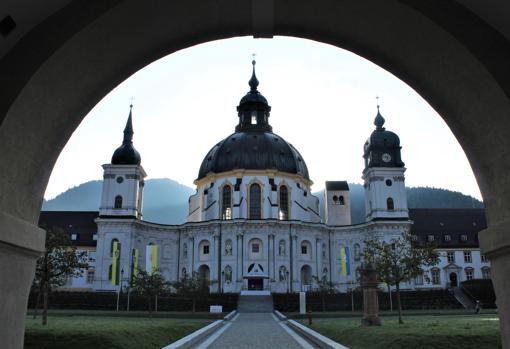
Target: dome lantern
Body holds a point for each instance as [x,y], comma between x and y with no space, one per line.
[253,109]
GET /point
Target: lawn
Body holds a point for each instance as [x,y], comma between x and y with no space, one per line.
[417,332]
[98,332]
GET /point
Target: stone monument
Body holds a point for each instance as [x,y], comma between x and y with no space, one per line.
[369,284]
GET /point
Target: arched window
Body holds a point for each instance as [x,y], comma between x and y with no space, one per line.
[118,201]
[469,273]
[112,246]
[255,202]
[226,202]
[389,204]
[357,252]
[436,280]
[341,200]
[486,273]
[284,203]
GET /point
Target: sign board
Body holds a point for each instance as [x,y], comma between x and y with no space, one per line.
[216,308]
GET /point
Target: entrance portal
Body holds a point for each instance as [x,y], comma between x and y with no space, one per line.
[453,279]
[256,284]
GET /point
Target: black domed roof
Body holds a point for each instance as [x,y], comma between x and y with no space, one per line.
[126,154]
[253,151]
[253,146]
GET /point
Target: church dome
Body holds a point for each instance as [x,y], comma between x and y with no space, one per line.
[253,146]
[126,154]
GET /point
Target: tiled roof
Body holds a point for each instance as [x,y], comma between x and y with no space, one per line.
[73,222]
[461,225]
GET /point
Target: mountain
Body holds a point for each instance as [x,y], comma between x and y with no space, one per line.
[166,201]
[417,197]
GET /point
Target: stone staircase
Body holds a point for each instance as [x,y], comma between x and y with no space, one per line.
[463,298]
[255,304]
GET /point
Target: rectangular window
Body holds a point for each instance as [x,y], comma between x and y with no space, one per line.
[435,277]
[469,274]
[255,248]
[467,256]
[419,280]
[447,238]
[304,250]
[430,238]
[253,117]
[74,236]
[463,238]
[90,276]
[486,273]
[450,255]
[206,249]
[483,258]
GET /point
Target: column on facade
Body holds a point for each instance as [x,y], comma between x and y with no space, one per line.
[318,259]
[213,270]
[192,254]
[239,266]
[296,277]
[270,257]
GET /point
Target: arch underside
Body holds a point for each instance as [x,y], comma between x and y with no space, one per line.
[59,70]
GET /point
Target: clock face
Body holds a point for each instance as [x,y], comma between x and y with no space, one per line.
[386,157]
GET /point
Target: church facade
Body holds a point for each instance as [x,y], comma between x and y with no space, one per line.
[253,223]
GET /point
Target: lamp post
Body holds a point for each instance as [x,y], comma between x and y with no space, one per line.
[120,287]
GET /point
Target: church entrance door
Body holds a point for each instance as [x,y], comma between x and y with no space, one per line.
[256,284]
[453,279]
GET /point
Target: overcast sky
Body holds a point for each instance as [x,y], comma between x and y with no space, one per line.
[323,101]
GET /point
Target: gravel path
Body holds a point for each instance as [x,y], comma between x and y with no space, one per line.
[257,331]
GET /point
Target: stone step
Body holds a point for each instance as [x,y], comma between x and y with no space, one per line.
[255,304]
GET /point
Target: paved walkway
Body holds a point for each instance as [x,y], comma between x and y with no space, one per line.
[257,331]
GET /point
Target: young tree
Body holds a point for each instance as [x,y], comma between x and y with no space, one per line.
[59,262]
[192,286]
[324,287]
[399,260]
[150,285]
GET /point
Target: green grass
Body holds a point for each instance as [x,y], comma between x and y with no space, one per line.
[98,332]
[417,332]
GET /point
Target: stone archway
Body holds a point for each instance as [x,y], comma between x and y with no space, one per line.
[55,71]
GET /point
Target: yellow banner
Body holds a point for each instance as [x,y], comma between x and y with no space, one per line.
[136,255]
[115,261]
[154,258]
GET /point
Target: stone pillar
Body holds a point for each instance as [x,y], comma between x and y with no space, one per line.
[270,258]
[318,258]
[215,277]
[191,255]
[369,284]
[21,243]
[495,244]
[296,277]
[239,261]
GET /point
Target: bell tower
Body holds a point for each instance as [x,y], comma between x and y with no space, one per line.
[123,180]
[383,176]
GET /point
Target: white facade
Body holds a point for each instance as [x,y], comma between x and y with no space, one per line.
[122,190]
[208,204]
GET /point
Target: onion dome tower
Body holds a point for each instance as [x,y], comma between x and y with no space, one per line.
[384,181]
[123,179]
[253,162]
[126,154]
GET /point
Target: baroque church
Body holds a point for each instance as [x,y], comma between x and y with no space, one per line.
[253,223]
